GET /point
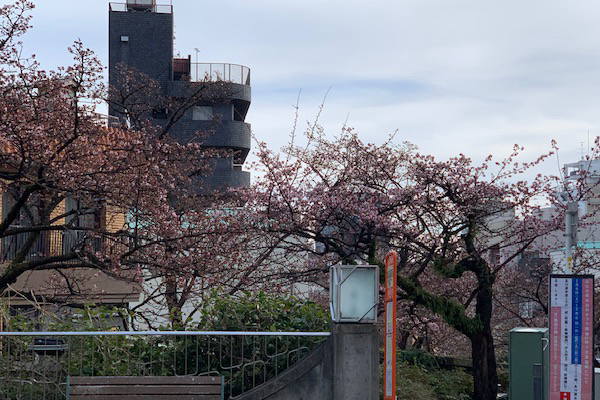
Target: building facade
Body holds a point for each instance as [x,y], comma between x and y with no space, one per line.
[141,41]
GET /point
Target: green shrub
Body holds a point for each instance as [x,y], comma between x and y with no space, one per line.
[419,382]
[413,383]
[261,312]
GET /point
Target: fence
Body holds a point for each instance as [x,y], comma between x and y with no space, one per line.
[141,5]
[36,365]
[213,72]
[48,243]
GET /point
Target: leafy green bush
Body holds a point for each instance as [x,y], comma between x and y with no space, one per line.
[419,357]
[413,383]
[418,382]
[261,312]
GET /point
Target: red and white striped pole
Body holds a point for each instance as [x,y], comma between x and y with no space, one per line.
[391,302]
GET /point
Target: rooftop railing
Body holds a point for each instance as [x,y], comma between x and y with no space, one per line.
[106,120]
[38,365]
[216,72]
[141,5]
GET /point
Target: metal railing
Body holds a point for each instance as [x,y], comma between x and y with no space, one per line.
[36,365]
[106,120]
[215,72]
[141,5]
[48,244]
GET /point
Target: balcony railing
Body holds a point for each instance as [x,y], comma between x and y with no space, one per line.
[106,120]
[214,72]
[142,5]
[48,244]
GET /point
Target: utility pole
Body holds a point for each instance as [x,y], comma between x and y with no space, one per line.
[571,222]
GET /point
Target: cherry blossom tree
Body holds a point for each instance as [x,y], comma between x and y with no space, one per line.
[65,170]
[456,224]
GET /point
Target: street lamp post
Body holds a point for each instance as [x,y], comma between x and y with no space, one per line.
[354,291]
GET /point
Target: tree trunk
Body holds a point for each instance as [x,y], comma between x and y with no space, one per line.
[175,314]
[485,375]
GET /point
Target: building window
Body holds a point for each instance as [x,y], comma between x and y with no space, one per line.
[160,113]
[202,113]
[89,214]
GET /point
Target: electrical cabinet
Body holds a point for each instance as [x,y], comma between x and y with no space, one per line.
[528,364]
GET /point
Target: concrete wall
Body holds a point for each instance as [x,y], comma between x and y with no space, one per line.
[345,367]
[355,362]
[150,45]
[310,379]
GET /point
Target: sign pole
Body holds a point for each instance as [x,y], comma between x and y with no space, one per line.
[391,302]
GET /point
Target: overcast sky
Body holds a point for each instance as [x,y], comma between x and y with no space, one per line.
[454,76]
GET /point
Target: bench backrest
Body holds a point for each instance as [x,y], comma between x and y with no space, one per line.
[145,387]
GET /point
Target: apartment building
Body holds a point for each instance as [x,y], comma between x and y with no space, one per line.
[141,41]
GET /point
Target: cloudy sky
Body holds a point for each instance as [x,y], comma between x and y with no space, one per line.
[454,76]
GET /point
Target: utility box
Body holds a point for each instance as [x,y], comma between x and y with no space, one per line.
[528,360]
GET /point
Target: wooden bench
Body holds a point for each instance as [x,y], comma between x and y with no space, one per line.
[145,387]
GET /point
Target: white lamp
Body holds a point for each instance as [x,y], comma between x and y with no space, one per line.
[354,291]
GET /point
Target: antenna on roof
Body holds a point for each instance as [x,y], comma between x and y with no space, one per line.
[589,148]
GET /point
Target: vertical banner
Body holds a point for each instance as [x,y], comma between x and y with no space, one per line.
[571,337]
[391,301]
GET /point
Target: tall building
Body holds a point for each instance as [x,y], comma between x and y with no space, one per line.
[141,39]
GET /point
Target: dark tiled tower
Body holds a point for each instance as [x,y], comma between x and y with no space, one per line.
[141,37]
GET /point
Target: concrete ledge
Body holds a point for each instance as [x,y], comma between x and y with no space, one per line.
[345,367]
[231,134]
[309,379]
[233,91]
[229,179]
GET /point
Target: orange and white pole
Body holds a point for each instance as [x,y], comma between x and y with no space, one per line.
[391,302]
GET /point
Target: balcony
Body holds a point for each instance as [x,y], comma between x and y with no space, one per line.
[142,6]
[222,179]
[231,134]
[106,120]
[48,244]
[184,70]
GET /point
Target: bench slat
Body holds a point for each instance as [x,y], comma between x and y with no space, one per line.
[144,380]
[146,389]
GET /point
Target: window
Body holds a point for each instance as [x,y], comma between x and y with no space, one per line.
[91,214]
[202,113]
[26,212]
[160,113]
